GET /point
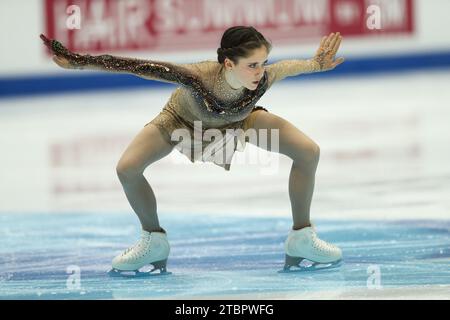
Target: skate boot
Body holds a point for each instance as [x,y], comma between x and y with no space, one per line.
[305,251]
[153,248]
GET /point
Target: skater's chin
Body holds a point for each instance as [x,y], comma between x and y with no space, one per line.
[252,87]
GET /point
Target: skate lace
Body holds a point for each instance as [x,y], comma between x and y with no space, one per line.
[321,245]
[137,250]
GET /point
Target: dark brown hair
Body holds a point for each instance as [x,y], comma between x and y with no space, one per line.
[238,42]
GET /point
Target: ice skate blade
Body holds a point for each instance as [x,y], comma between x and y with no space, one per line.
[293,265]
[157,266]
[136,273]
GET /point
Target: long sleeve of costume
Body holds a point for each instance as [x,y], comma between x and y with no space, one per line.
[289,68]
[155,70]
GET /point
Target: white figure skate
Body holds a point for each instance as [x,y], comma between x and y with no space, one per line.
[306,252]
[153,248]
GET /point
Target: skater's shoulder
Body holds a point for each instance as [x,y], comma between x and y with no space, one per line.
[203,63]
[206,64]
[204,68]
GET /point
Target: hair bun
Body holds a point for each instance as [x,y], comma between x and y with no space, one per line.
[239,41]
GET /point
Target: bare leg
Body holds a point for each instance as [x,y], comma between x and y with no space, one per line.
[147,147]
[305,155]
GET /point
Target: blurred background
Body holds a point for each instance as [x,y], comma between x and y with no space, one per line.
[381,118]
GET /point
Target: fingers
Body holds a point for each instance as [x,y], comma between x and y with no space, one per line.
[338,61]
[60,61]
[47,41]
[322,42]
[44,38]
[334,40]
[336,45]
[57,61]
[328,40]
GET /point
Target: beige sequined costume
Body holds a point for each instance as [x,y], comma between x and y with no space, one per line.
[182,109]
[205,98]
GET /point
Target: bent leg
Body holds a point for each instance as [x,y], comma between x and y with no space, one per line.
[147,147]
[305,155]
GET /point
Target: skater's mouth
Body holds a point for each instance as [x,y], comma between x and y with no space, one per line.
[255,82]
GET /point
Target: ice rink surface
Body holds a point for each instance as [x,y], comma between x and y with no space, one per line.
[381,194]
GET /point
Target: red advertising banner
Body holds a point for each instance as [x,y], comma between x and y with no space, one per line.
[170,25]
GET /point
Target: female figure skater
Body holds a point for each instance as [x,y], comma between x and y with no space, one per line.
[222,95]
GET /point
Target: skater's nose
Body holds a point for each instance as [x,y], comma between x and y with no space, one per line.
[260,69]
[258,74]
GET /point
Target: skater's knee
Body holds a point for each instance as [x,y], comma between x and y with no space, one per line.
[314,154]
[128,170]
[308,156]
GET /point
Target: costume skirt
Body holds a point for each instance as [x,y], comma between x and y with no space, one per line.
[216,145]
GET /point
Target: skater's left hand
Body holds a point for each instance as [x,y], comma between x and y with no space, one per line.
[325,55]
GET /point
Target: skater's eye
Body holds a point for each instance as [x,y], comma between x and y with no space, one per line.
[253,65]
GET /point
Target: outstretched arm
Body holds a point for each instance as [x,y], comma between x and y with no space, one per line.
[147,69]
[324,60]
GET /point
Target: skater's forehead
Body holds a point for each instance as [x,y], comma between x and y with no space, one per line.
[258,55]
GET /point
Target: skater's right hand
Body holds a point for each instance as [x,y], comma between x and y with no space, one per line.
[61,55]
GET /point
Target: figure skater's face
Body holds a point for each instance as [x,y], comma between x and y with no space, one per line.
[248,71]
